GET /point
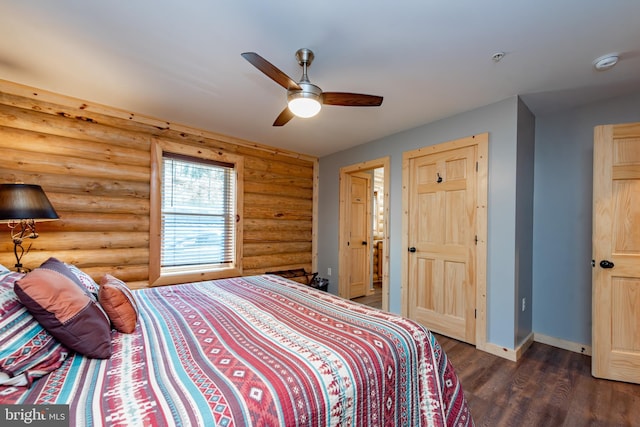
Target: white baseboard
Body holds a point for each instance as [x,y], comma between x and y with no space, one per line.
[515,354]
[508,353]
[496,350]
[524,346]
[563,344]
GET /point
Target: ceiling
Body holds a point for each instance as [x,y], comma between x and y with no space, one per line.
[180,60]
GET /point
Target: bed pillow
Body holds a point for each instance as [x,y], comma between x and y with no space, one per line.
[84,279]
[27,350]
[56,298]
[118,301]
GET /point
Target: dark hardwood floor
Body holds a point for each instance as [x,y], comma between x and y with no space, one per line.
[373,300]
[548,386]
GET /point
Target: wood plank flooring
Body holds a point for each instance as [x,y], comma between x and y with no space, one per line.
[548,386]
[373,300]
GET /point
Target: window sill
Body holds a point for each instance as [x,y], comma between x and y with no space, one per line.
[174,278]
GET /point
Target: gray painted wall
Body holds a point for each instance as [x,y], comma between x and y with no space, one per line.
[559,288]
[524,222]
[563,213]
[500,120]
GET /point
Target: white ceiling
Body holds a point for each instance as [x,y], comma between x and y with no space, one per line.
[180,60]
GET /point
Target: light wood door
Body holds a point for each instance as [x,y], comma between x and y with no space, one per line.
[344,269]
[616,240]
[442,241]
[359,229]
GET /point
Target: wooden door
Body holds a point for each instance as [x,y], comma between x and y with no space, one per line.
[442,238]
[359,230]
[344,242]
[616,253]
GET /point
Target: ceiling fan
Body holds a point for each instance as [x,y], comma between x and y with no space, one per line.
[304,98]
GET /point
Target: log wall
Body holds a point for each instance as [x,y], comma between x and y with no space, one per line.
[93,162]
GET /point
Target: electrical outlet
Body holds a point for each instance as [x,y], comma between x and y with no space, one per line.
[524,304]
[329,271]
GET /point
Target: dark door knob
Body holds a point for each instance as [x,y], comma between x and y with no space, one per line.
[606,264]
[364,243]
[412,249]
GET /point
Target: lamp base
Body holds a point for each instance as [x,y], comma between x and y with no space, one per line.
[25,229]
[21,269]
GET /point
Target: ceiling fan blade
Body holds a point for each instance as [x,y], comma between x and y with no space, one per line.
[271,70]
[284,117]
[351,99]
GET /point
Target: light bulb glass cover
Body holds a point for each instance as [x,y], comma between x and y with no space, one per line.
[304,107]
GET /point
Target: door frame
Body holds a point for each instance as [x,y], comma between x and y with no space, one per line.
[343,279]
[481,141]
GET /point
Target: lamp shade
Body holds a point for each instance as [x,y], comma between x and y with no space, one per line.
[24,201]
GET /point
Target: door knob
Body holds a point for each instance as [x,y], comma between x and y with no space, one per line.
[606,264]
[364,243]
[412,249]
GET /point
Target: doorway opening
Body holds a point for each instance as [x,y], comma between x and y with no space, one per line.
[364,237]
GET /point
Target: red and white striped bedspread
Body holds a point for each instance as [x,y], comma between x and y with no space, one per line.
[258,351]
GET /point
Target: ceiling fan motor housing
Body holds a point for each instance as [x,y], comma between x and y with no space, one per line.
[308,91]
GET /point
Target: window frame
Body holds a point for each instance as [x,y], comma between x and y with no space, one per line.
[158,277]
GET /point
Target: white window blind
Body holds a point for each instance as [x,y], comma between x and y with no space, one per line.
[198,212]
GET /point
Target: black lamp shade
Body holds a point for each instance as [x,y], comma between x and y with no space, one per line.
[24,201]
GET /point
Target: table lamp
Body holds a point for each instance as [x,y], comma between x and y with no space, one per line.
[21,205]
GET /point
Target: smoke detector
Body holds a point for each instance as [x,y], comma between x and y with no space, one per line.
[497,57]
[606,62]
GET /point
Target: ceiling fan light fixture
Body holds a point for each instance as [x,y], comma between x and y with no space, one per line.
[303,98]
[304,104]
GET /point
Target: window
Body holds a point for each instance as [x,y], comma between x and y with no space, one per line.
[198,213]
[194,215]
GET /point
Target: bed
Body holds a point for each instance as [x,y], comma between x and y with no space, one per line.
[260,351]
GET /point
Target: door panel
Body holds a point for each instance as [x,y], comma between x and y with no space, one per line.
[382,257]
[616,238]
[454,279]
[442,223]
[625,296]
[359,234]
